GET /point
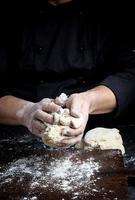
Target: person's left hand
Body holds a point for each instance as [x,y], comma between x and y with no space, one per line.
[78,105]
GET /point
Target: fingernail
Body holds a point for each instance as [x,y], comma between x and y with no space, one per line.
[75,113]
[65,132]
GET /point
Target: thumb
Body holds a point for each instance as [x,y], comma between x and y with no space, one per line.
[75,109]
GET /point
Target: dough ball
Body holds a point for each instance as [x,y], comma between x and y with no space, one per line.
[53,133]
[62,120]
[103,138]
[65,117]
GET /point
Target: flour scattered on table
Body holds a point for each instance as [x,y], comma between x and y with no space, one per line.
[69,175]
[129,162]
[66,174]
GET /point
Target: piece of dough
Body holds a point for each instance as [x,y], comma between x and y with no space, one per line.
[64,118]
[103,138]
[61,100]
[52,136]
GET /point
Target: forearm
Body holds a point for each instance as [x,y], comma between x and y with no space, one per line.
[15,111]
[9,107]
[101,100]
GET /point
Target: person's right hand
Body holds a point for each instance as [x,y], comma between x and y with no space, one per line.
[35,115]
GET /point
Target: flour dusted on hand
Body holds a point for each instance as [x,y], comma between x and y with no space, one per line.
[62,120]
[102,138]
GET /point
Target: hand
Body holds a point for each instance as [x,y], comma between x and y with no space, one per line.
[98,100]
[35,115]
[79,106]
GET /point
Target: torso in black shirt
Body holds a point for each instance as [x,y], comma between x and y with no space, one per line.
[57,49]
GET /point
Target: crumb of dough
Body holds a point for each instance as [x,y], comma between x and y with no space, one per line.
[61,99]
[64,118]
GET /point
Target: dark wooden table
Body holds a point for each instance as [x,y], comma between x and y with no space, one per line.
[27,169]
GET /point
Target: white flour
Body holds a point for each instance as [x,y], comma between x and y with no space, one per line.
[63,174]
[130,161]
[70,175]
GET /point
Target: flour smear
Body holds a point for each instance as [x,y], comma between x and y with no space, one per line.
[63,174]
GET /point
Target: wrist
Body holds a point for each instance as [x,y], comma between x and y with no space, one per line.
[22,112]
[91,99]
[101,100]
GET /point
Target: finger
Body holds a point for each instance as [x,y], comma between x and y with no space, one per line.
[74,106]
[76,109]
[38,125]
[50,107]
[46,100]
[36,129]
[65,133]
[72,132]
[36,132]
[73,140]
[66,138]
[43,116]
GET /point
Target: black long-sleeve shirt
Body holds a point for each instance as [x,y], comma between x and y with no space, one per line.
[66,49]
